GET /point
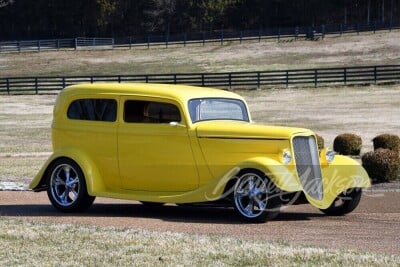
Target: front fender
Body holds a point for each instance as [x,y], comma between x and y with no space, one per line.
[94,181]
[342,174]
[283,176]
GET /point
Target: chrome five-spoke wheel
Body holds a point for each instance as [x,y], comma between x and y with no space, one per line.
[67,188]
[255,198]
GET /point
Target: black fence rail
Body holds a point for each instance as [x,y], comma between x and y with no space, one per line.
[195,38]
[227,80]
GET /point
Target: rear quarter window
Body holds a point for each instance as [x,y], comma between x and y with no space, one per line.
[93,110]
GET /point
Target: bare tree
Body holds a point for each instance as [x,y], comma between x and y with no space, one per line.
[4,3]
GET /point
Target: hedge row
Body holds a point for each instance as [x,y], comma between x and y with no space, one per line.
[382,164]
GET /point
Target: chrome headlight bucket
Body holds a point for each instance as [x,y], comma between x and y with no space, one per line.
[327,155]
[286,156]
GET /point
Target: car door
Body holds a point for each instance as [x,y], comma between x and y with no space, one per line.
[153,154]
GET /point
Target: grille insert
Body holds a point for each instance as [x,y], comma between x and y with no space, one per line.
[308,166]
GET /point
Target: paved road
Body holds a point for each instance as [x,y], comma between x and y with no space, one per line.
[374,226]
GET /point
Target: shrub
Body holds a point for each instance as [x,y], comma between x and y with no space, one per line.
[347,144]
[382,165]
[320,141]
[388,141]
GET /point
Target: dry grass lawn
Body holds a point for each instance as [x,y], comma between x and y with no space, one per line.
[25,121]
[349,50]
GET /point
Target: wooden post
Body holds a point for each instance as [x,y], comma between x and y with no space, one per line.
[230,80]
[202,79]
[38,44]
[8,85]
[174,78]
[241,37]
[76,43]
[375,74]
[148,41]
[258,80]
[345,76]
[315,78]
[204,38]
[287,79]
[184,39]
[36,86]
[222,37]
[58,44]
[341,29]
[63,82]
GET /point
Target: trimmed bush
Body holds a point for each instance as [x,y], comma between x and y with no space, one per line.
[320,141]
[388,141]
[347,144]
[382,165]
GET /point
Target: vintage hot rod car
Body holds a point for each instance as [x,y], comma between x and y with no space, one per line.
[159,143]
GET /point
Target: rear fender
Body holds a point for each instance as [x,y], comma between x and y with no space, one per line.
[94,181]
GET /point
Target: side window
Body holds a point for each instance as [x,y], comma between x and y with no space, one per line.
[150,112]
[93,110]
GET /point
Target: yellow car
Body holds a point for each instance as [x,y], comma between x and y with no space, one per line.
[159,143]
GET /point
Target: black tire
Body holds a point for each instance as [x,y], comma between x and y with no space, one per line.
[255,198]
[67,189]
[344,203]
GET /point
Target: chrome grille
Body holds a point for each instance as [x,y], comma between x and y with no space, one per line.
[308,166]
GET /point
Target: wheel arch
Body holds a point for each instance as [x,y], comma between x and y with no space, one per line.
[93,179]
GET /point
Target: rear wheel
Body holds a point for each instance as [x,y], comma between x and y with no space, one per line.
[255,198]
[67,187]
[344,203]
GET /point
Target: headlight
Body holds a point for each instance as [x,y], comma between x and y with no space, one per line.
[286,156]
[329,155]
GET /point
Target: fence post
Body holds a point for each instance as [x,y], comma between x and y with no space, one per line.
[258,80]
[63,82]
[58,44]
[36,86]
[130,42]
[8,85]
[259,35]
[279,34]
[287,79]
[374,27]
[296,33]
[91,79]
[341,29]
[241,37]
[323,31]
[204,38]
[315,78]
[174,78]
[184,39]
[202,79]
[148,41]
[38,44]
[222,37]
[147,78]
[166,40]
[119,78]
[76,43]
[230,80]
[345,76]
[112,43]
[375,74]
[19,46]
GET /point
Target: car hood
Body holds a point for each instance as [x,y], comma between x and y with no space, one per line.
[245,130]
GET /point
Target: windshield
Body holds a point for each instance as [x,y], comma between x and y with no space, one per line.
[217,109]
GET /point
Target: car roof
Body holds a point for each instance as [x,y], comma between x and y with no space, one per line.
[171,91]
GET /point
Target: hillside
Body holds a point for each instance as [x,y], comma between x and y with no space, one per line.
[364,49]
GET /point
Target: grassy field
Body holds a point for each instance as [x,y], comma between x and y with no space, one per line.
[349,50]
[42,244]
[25,135]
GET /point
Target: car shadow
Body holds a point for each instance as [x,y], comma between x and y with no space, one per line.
[171,213]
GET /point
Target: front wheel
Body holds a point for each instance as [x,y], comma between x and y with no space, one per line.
[344,203]
[67,187]
[255,198]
